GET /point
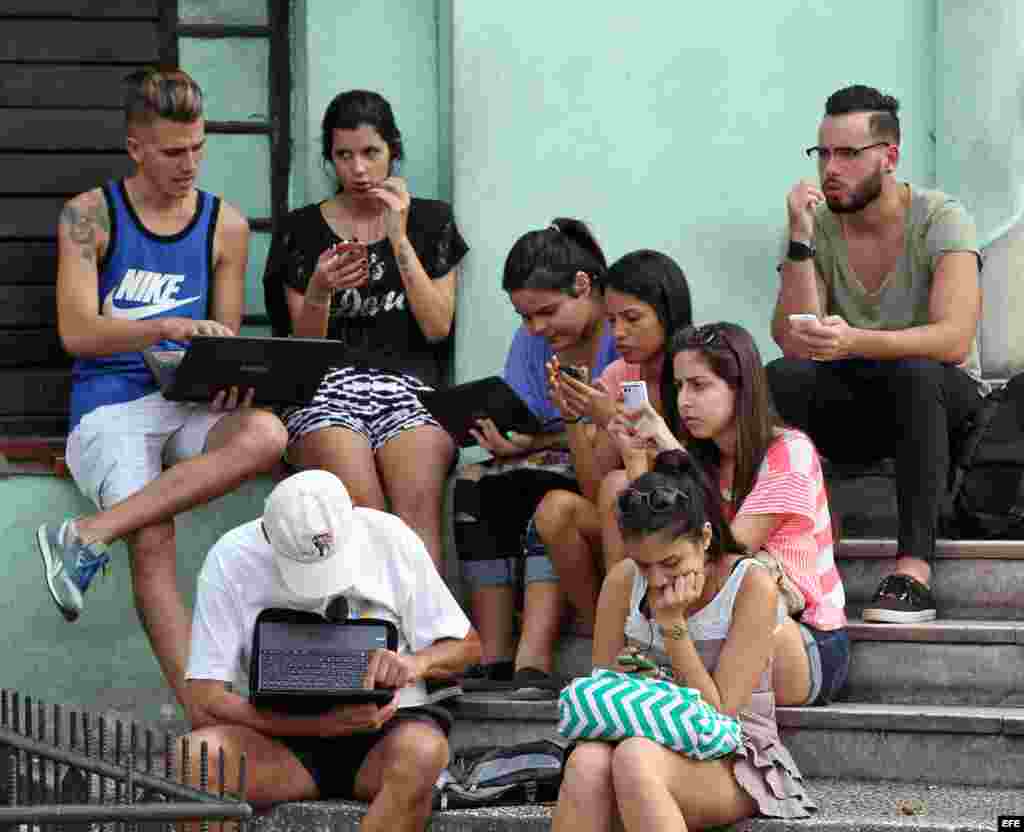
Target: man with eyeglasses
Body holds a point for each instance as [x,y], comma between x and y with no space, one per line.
[877,315]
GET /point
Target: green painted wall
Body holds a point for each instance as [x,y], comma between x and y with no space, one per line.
[667,125]
[385,45]
[103,660]
[980,158]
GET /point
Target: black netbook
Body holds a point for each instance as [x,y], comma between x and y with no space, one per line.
[281,370]
[458,408]
[303,663]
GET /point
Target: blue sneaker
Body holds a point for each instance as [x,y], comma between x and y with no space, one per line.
[68,566]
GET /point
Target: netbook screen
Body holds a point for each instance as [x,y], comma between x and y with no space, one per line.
[277,635]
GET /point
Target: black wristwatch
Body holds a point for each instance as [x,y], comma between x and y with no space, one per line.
[798,251]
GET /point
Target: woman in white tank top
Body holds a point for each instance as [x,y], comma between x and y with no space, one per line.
[707,615]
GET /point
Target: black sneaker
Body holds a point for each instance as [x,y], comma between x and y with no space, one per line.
[530,683]
[901,599]
[487,677]
[441,689]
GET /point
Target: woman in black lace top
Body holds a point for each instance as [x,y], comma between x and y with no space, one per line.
[375,268]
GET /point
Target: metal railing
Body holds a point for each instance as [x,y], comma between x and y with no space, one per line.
[64,769]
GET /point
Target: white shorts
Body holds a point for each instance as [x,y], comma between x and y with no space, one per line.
[118,449]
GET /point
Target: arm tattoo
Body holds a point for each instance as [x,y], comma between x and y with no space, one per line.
[404,259]
[82,226]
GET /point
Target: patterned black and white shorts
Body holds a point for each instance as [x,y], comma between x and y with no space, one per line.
[373,403]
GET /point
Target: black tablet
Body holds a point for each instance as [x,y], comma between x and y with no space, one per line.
[458,408]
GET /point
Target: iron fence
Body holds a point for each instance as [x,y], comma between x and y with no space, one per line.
[64,769]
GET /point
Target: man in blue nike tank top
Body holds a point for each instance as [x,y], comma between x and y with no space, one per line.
[144,261]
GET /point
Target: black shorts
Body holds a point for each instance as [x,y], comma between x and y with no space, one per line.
[334,762]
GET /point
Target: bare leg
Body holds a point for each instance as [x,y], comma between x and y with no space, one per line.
[611,535]
[397,776]
[587,800]
[158,602]
[659,790]
[413,467]
[347,455]
[791,669]
[493,612]
[542,619]
[272,773]
[243,443]
[569,526]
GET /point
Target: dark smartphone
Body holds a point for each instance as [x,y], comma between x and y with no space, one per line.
[573,371]
[637,663]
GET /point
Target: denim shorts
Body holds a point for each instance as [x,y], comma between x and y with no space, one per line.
[828,652]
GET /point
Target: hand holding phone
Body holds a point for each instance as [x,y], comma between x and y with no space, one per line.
[350,264]
[580,372]
[797,319]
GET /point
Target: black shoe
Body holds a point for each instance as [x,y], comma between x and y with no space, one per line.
[530,683]
[486,677]
[901,599]
[441,689]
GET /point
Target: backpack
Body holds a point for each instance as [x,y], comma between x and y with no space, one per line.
[988,489]
[528,772]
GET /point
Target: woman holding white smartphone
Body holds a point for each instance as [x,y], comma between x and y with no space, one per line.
[773,494]
[647,298]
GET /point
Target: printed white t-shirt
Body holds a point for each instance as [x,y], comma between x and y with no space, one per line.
[397,581]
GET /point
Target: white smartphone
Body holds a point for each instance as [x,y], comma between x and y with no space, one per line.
[634,394]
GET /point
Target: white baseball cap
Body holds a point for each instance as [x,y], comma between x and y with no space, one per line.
[316,534]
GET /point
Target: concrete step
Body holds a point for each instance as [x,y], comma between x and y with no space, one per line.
[844,806]
[970,579]
[944,662]
[940,744]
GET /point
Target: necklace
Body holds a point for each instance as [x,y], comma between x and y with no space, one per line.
[361,229]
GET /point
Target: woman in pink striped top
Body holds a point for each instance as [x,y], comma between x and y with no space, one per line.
[774,495]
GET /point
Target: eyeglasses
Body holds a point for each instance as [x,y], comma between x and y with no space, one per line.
[822,155]
[657,500]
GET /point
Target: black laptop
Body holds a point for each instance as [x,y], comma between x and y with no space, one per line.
[303,663]
[458,408]
[282,370]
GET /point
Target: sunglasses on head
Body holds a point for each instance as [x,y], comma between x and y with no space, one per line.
[657,500]
[709,335]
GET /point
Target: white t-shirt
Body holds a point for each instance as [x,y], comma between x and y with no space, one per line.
[396,581]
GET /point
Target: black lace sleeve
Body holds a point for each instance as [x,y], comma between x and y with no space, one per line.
[285,267]
[436,237]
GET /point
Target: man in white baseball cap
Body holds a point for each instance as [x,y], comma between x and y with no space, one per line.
[310,548]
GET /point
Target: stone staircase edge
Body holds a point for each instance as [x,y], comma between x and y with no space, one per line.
[846,806]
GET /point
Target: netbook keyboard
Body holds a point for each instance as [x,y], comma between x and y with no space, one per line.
[305,670]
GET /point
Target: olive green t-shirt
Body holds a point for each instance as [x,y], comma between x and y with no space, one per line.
[936,224]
